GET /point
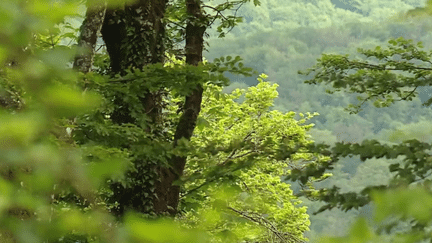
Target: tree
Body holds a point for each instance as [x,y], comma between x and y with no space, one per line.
[129,133]
[236,169]
[135,38]
[402,206]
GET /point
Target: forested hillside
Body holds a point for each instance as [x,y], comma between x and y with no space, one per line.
[280,41]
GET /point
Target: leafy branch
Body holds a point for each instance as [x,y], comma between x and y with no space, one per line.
[261,220]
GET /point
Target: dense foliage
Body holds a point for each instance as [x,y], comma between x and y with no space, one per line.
[82,159]
[383,75]
[394,73]
[239,133]
[281,52]
[101,149]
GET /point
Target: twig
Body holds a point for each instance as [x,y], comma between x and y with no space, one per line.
[259,219]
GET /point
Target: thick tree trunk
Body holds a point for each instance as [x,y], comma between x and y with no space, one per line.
[88,37]
[167,193]
[135,37]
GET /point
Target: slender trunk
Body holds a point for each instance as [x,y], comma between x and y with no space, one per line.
[88,37]
[167,193]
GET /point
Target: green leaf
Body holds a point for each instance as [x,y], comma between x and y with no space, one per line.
[65,101]
[202,123]
[163,230]
[360,231]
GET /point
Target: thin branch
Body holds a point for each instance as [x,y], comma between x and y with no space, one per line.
[218,12]
[100,47]
[259,219]
[231,156]
[198,187]
[372,66]
[178,25]
[235,15]
[409,94]
[52,40]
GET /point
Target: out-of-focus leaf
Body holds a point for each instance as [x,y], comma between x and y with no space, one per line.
[64,101]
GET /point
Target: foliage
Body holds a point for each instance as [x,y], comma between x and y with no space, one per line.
[62,156]
[237,143]
[205,172]
[35,169]
[281,52]
[394,73]
[390,73]
[37,92]
[174,79]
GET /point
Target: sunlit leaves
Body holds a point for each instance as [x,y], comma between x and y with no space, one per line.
[178,77]
[60,181]
[242,139]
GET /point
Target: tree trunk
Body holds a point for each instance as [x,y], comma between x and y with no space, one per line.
[135,37]
[92,24]
[167,193]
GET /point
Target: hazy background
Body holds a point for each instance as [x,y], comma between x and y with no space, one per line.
[281,37]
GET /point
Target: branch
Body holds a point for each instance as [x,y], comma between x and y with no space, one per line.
[409,94]
[178,25]
[231,156]
[198,187]
[374,66]
[259,219]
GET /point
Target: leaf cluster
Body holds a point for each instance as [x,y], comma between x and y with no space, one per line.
[237,143]
[387,75]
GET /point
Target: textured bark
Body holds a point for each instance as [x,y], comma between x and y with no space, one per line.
[89,31]
[135,37]
[147,38]
[168,194]
[114,33]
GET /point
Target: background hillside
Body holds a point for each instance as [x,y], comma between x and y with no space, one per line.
[282,37]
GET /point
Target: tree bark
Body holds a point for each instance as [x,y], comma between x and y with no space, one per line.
[168,194]
[135,37]
[92,24]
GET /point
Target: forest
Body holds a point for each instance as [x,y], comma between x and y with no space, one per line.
[244,121]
